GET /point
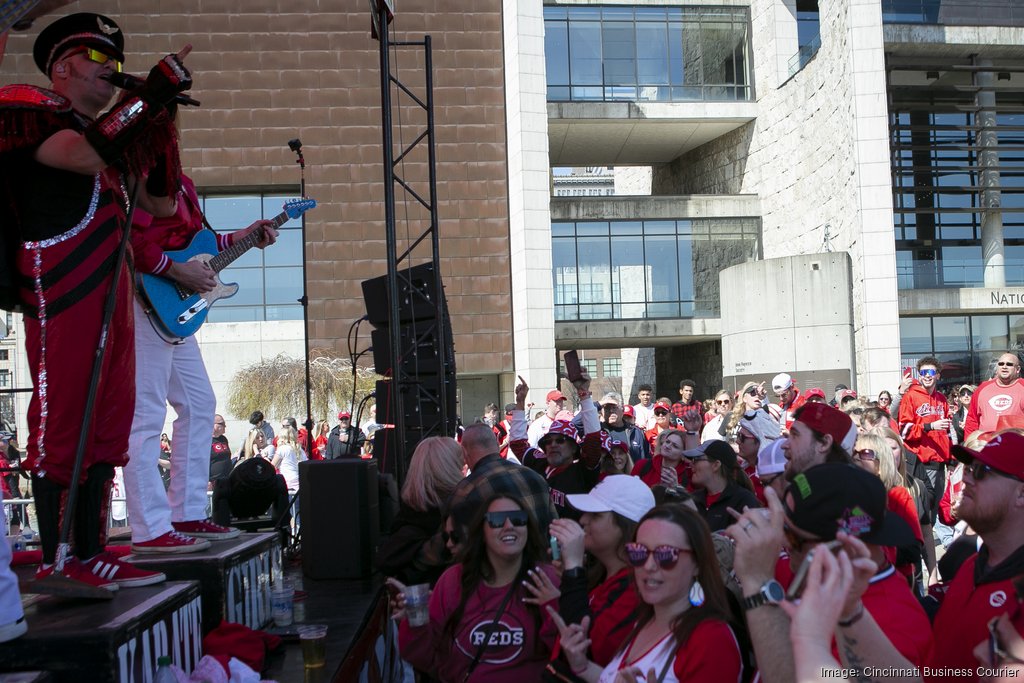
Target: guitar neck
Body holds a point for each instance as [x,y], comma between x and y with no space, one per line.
[226,257]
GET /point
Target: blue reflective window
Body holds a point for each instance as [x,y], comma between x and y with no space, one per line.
[270,280]
[647,53]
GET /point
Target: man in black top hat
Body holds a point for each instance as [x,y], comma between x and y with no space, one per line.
[66,174]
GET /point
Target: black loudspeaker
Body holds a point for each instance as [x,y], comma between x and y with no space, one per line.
[421,348]
[417,299]
[340,517]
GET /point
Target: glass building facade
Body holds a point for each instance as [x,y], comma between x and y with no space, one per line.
[957,144]
[966,345]
[954,12]
[662,54]
[613,270]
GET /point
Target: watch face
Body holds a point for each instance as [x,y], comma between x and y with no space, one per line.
[774,591]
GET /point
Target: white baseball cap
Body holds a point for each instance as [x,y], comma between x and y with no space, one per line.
[772,459]
[781,382]
[627,495]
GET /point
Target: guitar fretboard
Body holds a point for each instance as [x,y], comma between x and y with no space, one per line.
[226,257]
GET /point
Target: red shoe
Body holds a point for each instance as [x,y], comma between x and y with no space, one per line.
[204,528]
[76,571]
[171,542]
[108,567]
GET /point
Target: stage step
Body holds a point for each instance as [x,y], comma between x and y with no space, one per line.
[108,641]
[235,577]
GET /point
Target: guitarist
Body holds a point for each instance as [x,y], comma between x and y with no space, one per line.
[174,521]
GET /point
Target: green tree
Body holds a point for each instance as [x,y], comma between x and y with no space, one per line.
[277,387]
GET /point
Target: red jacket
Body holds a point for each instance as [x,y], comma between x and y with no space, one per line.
[917,409]
[787,410]
[151,237]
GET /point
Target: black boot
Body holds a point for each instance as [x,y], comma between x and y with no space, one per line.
[49,498]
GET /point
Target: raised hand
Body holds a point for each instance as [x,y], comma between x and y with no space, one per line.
[758,539]
[169,77]
[522,389]
[570,537]
[540,587]
[573,640]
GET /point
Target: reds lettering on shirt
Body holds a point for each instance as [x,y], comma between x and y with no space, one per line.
[503,642]
[926,409]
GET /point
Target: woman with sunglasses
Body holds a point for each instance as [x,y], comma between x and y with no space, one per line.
[616,458]
[716,426]
[684,631]
[720,483]
[435,469]
[884,401]
[481,630]
[962,401]
[872,453]
[749,398]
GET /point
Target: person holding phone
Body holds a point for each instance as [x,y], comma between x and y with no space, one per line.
[684,626]
[820,503]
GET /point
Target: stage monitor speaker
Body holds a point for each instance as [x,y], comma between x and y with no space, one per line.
[416,301]
[421,350]
[340,516]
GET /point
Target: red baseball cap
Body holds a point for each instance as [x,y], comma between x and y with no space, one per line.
[344,415]
[825,419]
[814,391]
[555,395]
[665,405]
[1004,452]
[563,427]
[847,393]
[627,411]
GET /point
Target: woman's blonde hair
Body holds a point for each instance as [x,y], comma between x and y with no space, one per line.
[887,471]
[288,436]
[739,407]
[249,449]
[323,428]
[887,432]
[436,468]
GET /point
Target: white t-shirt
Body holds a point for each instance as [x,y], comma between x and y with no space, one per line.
[656,658]
[643,417]
[289,466]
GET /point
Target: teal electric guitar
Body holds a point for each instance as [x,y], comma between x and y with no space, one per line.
[177,313]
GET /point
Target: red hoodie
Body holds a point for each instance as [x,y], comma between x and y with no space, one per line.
[917,409]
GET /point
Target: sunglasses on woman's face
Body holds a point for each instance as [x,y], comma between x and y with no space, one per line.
[452,536]
[752,391]
[496,520]
[884,399]
[666,556]
[866,454]
[724,403]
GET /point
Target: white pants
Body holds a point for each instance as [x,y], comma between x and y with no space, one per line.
[10,597]
[168,373]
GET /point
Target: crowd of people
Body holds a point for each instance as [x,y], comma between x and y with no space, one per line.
[746,539]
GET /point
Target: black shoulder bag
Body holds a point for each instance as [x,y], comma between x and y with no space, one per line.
[490,629]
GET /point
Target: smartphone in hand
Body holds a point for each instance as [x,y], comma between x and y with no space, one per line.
[573,370]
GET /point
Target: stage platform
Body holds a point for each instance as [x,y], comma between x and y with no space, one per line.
[118,640]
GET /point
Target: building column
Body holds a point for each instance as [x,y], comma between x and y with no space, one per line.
[992,250]
[529,196]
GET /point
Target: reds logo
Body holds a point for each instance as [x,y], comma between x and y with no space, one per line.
[997,598]
[503,642]
[926,409]
[1000,402]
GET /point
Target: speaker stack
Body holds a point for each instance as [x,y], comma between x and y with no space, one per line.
[427,362]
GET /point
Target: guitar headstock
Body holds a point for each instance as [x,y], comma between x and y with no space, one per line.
[296,207]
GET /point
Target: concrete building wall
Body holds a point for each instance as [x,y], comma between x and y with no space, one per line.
[788,314]
[529,193]
[817,156]
[267,71]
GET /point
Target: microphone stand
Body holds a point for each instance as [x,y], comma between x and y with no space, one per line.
[296,146]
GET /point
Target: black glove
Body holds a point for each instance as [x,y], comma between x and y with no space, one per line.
[114,132]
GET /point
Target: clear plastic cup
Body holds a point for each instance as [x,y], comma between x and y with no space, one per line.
[417,604]
[313,638]
[282,601]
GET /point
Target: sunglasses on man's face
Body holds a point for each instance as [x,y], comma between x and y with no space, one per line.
[1004,364]
[666,556]
[743,438]
[980,471]
[661,412]
[496,520]
[929,372]
[98,57]
[557,438]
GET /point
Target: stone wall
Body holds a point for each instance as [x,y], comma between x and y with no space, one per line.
[818,157]
[701,362]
